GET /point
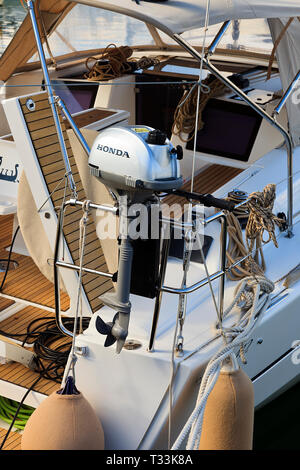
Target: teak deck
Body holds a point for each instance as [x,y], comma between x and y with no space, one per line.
[41,127]
[40,291]
[26,282]
[13,441]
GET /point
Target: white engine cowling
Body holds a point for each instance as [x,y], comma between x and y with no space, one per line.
[135,157]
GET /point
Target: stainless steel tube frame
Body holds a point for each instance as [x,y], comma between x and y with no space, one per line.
[261,112]
[102,207]
[219,274]
[30,5]
[62,264]
[71,121]
[193,287]
[187,290]
[57,263]
[203,282]
[211,49]
[286,95]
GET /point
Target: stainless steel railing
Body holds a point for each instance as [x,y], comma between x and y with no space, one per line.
[62,264]
[220,274]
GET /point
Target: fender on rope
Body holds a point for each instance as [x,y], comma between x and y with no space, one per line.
[72,423]
[251,297]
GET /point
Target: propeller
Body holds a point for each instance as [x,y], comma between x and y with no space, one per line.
[105,329]
[115,331]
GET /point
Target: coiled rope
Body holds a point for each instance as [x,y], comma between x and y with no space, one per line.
[260,219]
[113,63]
[252,296]
[186,111]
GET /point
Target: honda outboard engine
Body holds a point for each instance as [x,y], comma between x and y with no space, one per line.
[135,158]
[134,162]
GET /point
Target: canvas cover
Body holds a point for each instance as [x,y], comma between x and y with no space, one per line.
[177,16]
[288,58]
[23,45]
[172,16]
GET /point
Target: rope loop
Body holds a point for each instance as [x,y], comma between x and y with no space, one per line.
[204,88]
[86,210]
[250,292]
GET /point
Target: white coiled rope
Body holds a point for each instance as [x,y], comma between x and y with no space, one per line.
[252,295]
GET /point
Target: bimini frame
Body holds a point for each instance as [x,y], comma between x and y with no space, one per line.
[257,108]
[207,63]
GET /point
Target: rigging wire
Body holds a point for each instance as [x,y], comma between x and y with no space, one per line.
[78,312]
[186,266]
[179,320]
[206,24]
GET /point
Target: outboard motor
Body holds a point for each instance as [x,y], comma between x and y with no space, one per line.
[135,158]
[134,162]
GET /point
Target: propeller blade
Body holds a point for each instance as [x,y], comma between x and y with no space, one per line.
[105,329]
[110,339]
[102,327]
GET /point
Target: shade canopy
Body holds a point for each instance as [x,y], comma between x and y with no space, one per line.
[22,46]
[177,16]
[171,16]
